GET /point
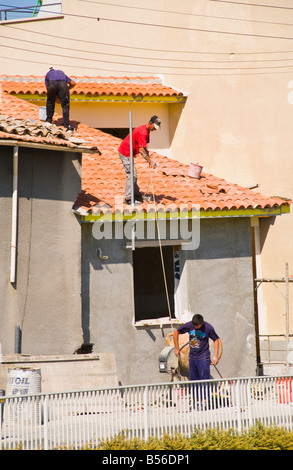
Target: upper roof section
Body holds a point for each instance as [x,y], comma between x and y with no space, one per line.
[147,89]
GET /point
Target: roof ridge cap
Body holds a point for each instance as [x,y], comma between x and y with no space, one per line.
[118,80]
[19,78]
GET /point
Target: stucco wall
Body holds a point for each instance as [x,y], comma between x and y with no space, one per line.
[45,300]
[216,281]
[219,281]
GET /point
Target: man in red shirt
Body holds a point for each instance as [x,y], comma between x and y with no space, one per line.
[140,139]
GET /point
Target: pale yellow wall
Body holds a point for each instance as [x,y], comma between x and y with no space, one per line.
[111,115]
[237,120]
[105,115]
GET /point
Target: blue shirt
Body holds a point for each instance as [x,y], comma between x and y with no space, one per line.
[56,75]
[199,339]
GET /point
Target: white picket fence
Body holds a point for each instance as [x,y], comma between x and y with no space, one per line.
[85,418]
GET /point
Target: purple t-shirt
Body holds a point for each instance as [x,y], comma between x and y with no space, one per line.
[199,339]
[56,75]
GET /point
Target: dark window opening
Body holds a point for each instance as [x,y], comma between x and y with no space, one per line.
[121,133]
[150,296]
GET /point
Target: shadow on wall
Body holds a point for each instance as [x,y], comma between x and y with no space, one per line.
[42,174]
[265,223]
[174,119]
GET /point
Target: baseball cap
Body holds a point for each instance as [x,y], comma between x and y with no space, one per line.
[156,121]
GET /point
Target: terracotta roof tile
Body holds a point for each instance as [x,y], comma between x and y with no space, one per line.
[97,86]
[103,179]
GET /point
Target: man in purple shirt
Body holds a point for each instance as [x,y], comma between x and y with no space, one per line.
[58,85]
[199,352]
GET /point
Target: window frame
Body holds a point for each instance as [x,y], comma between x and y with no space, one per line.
[160,321]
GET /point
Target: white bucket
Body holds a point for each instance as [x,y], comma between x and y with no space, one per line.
[20,383]
[42,113]
[195,170]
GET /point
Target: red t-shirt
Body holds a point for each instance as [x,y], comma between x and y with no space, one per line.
[140,138]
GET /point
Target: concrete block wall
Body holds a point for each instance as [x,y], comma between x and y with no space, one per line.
[216,281]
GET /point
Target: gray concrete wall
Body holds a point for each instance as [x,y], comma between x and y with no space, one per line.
[45,300]
[63,373]
[219,285]
[216,281]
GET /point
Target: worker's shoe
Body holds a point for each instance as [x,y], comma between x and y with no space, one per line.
[136,202]
[69,128]
[139,197]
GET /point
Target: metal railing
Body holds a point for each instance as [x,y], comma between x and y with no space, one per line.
[85,418]
[29,11]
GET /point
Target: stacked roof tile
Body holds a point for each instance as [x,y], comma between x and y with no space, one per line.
[19,121]
[103,176]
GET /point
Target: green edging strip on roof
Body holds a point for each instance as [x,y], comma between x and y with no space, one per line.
[107,98]
[152,215]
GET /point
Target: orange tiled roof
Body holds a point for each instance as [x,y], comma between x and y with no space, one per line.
[103,179]
[103,176]
[93,86]
[12,106]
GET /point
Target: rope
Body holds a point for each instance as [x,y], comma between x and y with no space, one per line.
[160,244]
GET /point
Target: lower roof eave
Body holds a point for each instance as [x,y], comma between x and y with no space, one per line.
[44,146]
[258,212]
[109,216]
[169,99]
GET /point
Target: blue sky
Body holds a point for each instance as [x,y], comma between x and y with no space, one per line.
[6,4]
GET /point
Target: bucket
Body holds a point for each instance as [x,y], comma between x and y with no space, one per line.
[23,382]
[42,113]
[195,170]
[20,383]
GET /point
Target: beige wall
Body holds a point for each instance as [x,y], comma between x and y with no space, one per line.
[238,117]
[111,115]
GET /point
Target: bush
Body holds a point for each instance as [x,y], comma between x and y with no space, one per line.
[258,437]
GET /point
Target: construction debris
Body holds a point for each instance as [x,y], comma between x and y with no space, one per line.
[33,128]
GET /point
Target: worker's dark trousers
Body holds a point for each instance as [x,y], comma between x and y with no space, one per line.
[58,88]
[199,370]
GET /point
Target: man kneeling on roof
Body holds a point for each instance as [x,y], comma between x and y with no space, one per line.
[140,139]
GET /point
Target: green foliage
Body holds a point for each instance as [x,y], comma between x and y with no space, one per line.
[258,437]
